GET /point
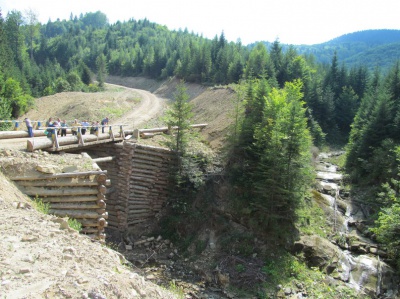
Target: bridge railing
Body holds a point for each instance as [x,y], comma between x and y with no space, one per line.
[55,142]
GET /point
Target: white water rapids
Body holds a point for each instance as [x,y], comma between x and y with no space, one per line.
[358,263]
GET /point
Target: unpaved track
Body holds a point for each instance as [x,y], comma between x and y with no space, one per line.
[149,108]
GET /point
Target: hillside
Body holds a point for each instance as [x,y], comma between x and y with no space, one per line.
[372,48]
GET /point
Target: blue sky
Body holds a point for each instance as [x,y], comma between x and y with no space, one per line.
[289,21]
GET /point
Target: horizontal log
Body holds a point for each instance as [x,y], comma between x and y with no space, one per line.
[73,206]
[145,164]
[133,222]
[139,206]
[138,211]
[148,157]
[34,191]
[151,148]
[92,230]
[70,199]
[103,159]
[101,222]
[24,134]
[165,129]
[146,135]
[139,167]
[165,153]
[77,214]
[102,189]
[42,143]
[101,177]
[57,183]
[59,175]
[101,203]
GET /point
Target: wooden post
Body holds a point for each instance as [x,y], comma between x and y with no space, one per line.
[55,139]
[111,133]
[122,134]
[80,138]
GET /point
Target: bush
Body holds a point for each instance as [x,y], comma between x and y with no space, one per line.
[62,85]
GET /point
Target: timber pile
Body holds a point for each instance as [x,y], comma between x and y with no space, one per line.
[78,195]
[141,184]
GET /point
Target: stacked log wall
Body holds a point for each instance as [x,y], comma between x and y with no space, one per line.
[148,183]
[78,195]
[139,176]
[115,173]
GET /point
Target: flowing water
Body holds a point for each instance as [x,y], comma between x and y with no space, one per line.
[359,262]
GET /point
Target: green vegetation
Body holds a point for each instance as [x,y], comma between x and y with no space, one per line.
[44,207]
[75,224]
[40,205]
[291,271]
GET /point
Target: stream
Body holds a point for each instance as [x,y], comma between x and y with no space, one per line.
[361,263]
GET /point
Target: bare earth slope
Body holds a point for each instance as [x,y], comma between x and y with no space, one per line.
[40,257]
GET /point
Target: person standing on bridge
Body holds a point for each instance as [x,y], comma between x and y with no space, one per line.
[85,124]
[104,123]
[29,126]
[75,127]
[63,128]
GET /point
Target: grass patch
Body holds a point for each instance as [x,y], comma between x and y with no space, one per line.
[75,224]
[113,112]
[177,290]
[311,219]
[40,205]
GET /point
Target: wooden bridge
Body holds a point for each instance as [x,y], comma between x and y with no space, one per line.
[55,143]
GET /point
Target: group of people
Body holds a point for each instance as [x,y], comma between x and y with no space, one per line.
[59,127]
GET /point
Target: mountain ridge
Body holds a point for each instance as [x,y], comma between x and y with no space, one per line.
[372,48]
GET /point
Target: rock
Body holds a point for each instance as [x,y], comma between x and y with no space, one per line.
[287,291]
[317,251]
[29,239]
[373,250]
[50,169]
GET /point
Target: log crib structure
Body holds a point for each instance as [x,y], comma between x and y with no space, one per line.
[78,195]
[140,181]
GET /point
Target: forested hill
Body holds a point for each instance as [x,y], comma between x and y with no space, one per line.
[371,48]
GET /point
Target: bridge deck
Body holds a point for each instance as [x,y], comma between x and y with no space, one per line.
[80,146]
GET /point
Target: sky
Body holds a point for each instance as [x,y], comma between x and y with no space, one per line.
[288,21]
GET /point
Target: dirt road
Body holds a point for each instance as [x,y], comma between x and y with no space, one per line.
[149,107]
